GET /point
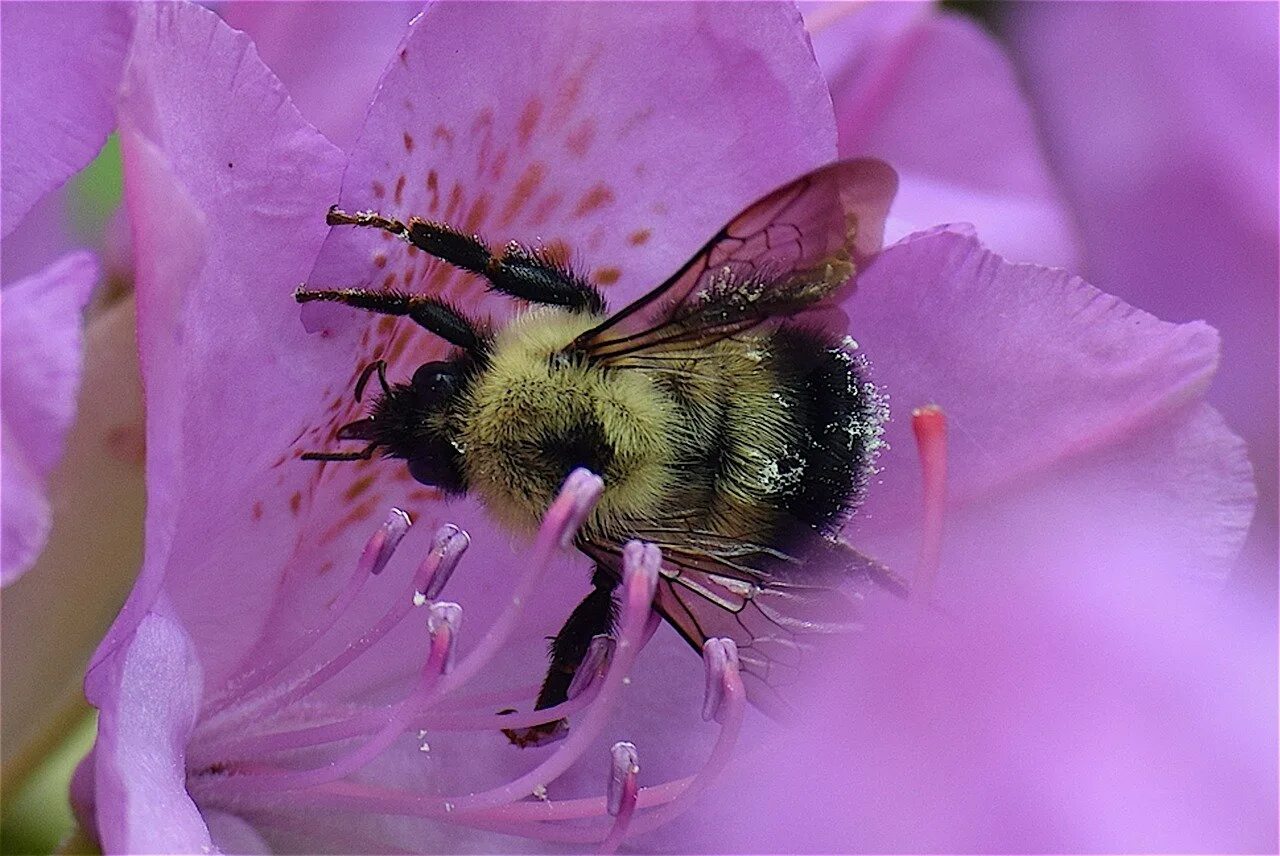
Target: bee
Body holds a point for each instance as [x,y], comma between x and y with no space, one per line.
[729,423]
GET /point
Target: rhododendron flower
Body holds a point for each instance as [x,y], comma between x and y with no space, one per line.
[52,127]
[1153,116]
[284,674]
[929,92]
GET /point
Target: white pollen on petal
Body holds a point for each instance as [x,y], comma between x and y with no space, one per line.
[425,747]
[419,599]
[540,792]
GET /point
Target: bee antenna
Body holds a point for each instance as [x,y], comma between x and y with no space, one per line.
[363,455]
[380,366]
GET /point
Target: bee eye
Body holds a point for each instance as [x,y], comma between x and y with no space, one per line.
[433,466]
[435,381]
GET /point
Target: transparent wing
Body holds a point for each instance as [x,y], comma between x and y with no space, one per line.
[774,607]
[780,256]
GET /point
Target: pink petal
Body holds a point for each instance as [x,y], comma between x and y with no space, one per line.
[586,141]
[329,56]
[624,139]
[61,66]
[43,333]
[145,717]
[226,187]
[1156,116]
[1034,367]
[933,95]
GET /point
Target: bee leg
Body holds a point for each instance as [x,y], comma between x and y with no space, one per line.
[434,315]
[595,615]
[517,271]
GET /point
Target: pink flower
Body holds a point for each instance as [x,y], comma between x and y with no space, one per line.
[1154,115]
[60,69]
[929,92]
[623,136]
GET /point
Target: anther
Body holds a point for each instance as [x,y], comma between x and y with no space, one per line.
[592,667]
[381,546]
[578,496]
[718,656]
[624,768]
[444,621]
[930,426]
[641,563]
[447,548]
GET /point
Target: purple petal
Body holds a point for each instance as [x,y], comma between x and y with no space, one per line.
[624,140]
[329,56]
[1156,116]
[145,717]
[588,146]
[930,93]
[1035,368]
[61,66]
[226,187]
[43,333]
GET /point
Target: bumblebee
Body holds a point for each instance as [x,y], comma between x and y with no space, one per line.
[729,422]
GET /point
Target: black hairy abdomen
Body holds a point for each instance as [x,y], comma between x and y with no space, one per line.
[832,408]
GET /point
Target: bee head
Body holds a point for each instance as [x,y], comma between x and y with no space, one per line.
[407,421]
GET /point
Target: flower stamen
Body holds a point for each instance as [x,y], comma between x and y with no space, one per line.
[929,424]
[621,792]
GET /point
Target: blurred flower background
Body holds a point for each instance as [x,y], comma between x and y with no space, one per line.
[1113,695]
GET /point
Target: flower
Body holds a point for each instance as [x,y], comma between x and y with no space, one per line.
[224,232]
[929,92]
[1154,116]
[50,129]
[575,133]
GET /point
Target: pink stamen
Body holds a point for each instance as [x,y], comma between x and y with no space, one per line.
[930,426]
[577,498]
[444,621]
[592,667]
[449,545]
[375,556]
[621,792]
[640,565]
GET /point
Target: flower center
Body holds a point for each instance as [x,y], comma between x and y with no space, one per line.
[247,748]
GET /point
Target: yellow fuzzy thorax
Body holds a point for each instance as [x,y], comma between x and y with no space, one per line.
[529,397]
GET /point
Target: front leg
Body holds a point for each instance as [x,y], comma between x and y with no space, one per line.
[594,616]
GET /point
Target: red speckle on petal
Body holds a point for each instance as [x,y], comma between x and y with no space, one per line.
[295,503]
[433,188]
[408,141]
[399,194]
[606,275]
[257,510]
[379,260]
[385,325]
[358,487]
[476,215]
[482,130]
[528,121]
[379,190]
[579,140]
[556,251]
[545,208]
[389,280]
[598,196]
[640,236]
[528,182]
[443,136]
[455,203]
[499,167]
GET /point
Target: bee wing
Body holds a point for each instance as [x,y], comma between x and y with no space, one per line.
[783,254]
[774,616]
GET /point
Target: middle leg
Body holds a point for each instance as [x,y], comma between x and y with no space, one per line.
[594,616]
